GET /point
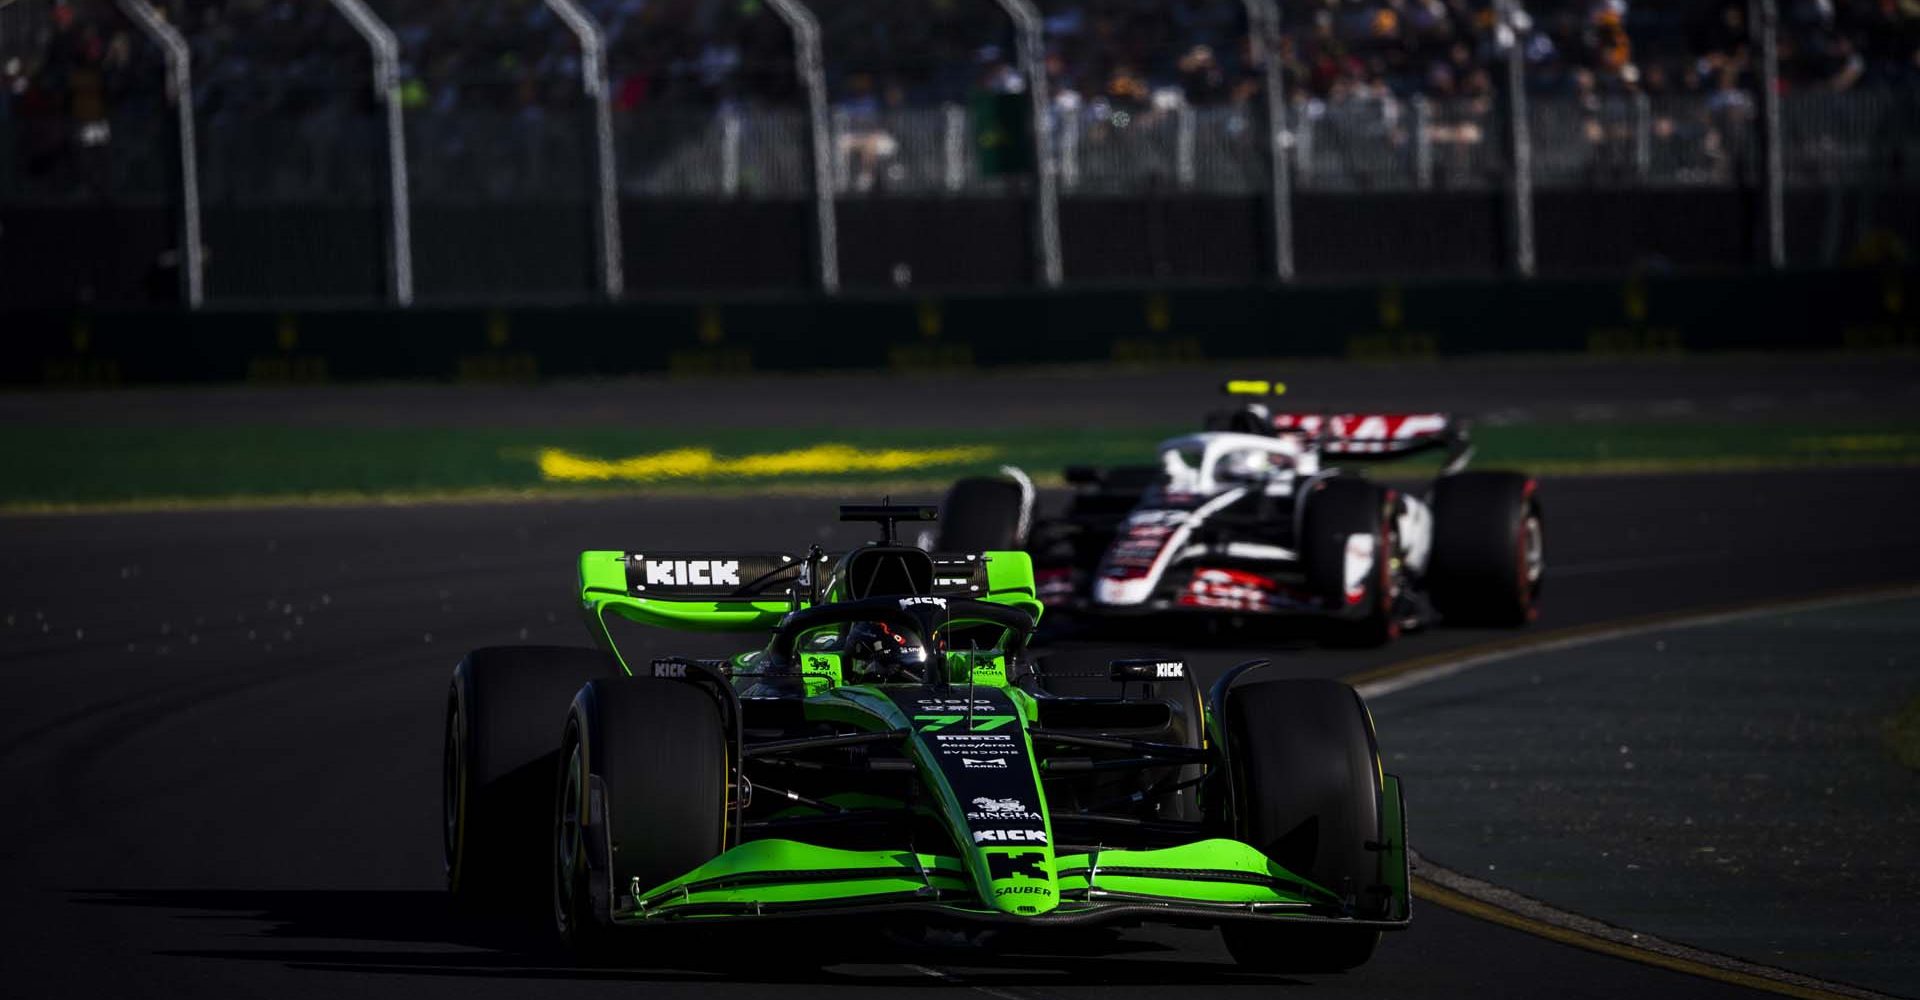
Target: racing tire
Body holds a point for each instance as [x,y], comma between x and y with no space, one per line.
[1488,558]
[505,709]
[654,755]
[1307,793]
[1337,509]
[982,514]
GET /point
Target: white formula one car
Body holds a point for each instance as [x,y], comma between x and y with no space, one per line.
[1252,518]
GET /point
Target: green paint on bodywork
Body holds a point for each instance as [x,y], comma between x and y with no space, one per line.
[604,591]
[818,874]
[1010,582]
[1214,871]
[1394,869]
[1209,871]
[1009,879]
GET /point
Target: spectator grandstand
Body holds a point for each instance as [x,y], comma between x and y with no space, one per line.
[926,98]
[70,64]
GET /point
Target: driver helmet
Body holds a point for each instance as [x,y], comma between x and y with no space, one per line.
[875,651]
[1243,466]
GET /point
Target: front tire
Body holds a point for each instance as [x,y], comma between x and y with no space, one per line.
[1307,791]
[654,755]
[1340,511]
[505,708]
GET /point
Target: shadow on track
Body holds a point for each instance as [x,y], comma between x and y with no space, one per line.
[785,954]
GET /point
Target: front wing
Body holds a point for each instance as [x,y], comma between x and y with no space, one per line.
[1214,881]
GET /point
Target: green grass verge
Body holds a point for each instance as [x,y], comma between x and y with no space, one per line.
[56,468]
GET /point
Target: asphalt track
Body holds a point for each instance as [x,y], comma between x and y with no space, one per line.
[219,744]
[1723,781]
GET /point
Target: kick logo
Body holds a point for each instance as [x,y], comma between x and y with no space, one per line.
[908,602]
[693,573]
[1009,836]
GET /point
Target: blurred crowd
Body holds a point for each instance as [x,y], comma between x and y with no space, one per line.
[70,68]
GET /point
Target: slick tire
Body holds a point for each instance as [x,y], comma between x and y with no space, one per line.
[1307,792]
[981,514]
[506,706]
[654,755]
[1336,510]
[1488,557]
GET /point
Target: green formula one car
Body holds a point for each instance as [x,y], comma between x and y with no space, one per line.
[893,751]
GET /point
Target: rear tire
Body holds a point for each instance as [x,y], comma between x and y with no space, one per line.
[656,752]
[982,514]
[1307,789]
[1338,509]
[505,709]
[1488,557]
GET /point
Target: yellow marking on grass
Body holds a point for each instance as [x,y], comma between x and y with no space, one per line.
[1857,443]
[767,486]
[560,465]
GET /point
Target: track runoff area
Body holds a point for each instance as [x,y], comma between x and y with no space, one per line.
[229,765]
[1630,682]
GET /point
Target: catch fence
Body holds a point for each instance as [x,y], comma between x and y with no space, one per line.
[920,164]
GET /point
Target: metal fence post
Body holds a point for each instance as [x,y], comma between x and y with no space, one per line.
[1030,47]
[386,88]
[842,151]
[593,77]
[1510,32]
[729,151]
[811,68]
[1183,147]
[1642,136]
[180,82]
[1764,21]
[1422,142]
[953,147]
[1263,30]
[1070,152]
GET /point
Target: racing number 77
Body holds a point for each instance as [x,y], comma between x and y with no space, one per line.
[981,723]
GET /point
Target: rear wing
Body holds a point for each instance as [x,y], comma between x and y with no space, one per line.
[1379,436]
[723,591]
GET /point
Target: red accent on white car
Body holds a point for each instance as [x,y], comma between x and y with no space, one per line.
[1365,433]
[1231,590]
[1053,586]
